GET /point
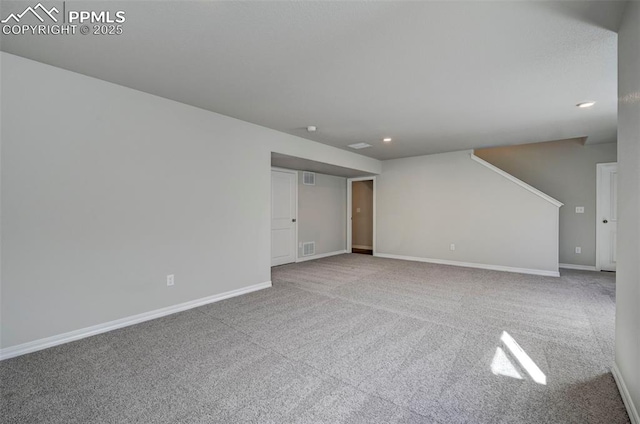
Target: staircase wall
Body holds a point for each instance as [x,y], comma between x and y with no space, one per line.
[427,203]
[566,170]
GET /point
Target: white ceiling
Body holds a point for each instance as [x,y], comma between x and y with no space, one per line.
[435,76]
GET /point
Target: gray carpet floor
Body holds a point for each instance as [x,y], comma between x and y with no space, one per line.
[346,339]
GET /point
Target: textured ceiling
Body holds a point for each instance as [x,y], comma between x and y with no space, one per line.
[435,76]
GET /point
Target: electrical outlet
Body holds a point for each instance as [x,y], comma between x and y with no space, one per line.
[578,249]
[170,280]
[452,247]
[579,209]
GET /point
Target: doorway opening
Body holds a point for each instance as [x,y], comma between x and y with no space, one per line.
[361,211]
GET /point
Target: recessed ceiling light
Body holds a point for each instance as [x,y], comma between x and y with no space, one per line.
[359,145]
[586,104]
[387,140]
[312,128]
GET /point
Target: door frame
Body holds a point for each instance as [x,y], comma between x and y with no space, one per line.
[350,211]
[599,169]
[295,230]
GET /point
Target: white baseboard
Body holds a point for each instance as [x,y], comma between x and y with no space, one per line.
[357,246]
[13,351]
[579,267]
[624,393]
[320,255]
[472,265]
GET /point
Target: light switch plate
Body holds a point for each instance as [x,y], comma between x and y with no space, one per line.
[578,249]
[579,209]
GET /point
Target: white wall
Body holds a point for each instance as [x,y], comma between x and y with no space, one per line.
[426,203]
[106,190]
[322,212]
[628,267]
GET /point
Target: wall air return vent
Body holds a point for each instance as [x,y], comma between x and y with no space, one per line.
[309,248]
[308,178]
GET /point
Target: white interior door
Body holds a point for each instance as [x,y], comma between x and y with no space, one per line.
[284,207]
[607,216]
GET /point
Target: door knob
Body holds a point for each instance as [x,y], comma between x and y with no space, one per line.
[604,221]
[293,220]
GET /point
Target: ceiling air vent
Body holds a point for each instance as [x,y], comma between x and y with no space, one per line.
[358,146]
[309,248]
[308,178]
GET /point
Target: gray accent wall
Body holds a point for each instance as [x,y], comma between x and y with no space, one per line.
[322,213]
[107,190]
[565,170]
[426,203]
[628,270]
